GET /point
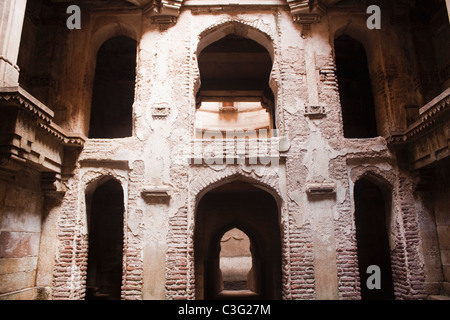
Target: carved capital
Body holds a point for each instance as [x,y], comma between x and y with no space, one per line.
[163,12]
[306,11]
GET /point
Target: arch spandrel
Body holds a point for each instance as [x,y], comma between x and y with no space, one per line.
[203,184]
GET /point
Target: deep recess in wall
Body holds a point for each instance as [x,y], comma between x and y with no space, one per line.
[355,90]
[113,90]
[104,273]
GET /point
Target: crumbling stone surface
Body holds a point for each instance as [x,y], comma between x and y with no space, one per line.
[164,169]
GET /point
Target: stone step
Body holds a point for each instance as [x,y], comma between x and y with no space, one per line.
[438,297]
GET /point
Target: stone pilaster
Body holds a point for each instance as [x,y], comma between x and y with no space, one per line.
[12,13]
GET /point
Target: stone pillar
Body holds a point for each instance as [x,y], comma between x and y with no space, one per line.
[12,13]
[447,2]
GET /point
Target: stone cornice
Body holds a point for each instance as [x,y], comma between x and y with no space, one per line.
[29,137]
[18,97]
[427,140]
[429,114]
[21,98]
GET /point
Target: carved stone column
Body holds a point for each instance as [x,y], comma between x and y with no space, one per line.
[12,13]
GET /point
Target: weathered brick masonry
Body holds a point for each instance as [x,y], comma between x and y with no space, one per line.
[295,76]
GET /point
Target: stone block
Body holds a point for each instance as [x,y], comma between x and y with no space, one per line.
[444,236]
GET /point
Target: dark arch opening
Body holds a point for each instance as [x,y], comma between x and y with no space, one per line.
[113,89]
[355,89]
[371,213]
[105,208]
[235,92]
[253,211]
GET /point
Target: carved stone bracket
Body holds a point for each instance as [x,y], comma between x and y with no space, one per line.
[321,188]
[160,111]
[315,111]
[52,185]
[306,11]
[163,12]
[157,194]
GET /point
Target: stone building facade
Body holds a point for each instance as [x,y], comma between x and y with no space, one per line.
[132,144]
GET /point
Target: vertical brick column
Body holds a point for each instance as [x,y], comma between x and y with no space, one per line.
[12,13]
[415,275]
[133,273]
[65,273]
[177,271]
[345,233]
[301,264]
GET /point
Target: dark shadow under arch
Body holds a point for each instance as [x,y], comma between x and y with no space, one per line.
[371,218]
[355,88]
[105,213]
[255,212]
[113,89]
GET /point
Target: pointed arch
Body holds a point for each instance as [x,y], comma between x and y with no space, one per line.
[237,261]
[238,204]
[372,214]
[113,89]
[355,88]
[235,91]
[205,184]
[240,28]
[105,211]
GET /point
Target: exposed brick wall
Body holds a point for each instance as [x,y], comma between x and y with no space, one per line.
[406,263]
[133,243]
[344,230]
[298,264]
[298,255]
[63,275]
[346,255]
[177,273]
[180,276]
[415,276]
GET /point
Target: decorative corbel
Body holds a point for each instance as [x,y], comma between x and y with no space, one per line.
[156,194]
[306,12]
[52,186]
[321,189]
[163,12]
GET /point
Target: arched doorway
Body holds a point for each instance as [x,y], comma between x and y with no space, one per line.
[105,209]
[372,209]
[236,262]
[355,88]
[243,206]
[113,89]
[235,96]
